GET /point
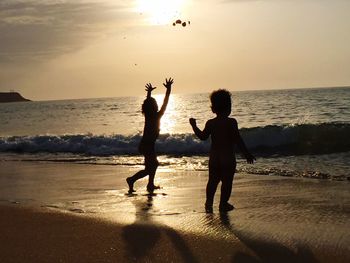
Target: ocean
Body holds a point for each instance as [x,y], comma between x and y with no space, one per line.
[294,133]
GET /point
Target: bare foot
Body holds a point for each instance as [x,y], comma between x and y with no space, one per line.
[152,187]
[208,208]
[226,207]
[130,184]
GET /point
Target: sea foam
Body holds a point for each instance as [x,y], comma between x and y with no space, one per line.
[263,141]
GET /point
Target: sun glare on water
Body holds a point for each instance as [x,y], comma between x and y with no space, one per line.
[161,12]
[168,121]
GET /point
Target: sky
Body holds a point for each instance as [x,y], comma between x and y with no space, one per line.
[102,48]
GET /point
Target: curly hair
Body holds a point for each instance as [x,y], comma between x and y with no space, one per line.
[221,102]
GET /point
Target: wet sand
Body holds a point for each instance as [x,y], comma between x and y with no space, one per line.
[47,236]
[80,213]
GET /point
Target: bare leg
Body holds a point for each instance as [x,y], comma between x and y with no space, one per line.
[131,180]
[211,189]
[151,163]
[214,179]
[150,185]
[226,188]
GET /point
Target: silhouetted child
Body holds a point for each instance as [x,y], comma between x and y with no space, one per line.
[222,161]
[150,135]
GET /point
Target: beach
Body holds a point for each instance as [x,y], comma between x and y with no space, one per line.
[46,236]
[64,198]
[100,98]
[62,212]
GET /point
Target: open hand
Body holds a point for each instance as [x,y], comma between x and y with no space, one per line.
[149,87]
[168,83]
[193,122]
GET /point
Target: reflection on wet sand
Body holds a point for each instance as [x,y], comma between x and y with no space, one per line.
[262,250]
[142,236]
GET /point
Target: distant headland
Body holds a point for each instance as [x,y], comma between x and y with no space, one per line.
[11,97]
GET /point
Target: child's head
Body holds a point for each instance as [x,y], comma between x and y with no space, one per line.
[149,106]
[221,102]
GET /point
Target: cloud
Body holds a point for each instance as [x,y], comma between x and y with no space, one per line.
[37,30]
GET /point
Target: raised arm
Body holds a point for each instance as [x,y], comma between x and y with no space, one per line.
[203,135]
[167,84]
[242,147]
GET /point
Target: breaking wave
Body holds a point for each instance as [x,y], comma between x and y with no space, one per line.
[269,140]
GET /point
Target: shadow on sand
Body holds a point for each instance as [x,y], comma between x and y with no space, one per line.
[265,251]
[142,236]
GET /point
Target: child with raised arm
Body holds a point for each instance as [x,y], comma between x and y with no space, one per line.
[222,161]
[150,135]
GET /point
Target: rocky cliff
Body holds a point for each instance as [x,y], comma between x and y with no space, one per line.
[11,97]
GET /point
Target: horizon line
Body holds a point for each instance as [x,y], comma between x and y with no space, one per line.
[189,93]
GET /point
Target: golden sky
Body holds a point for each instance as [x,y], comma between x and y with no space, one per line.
[80,49]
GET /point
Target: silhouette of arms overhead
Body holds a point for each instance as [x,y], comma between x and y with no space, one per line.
[167,85]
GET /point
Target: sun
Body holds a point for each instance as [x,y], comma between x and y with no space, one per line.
[161,12]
